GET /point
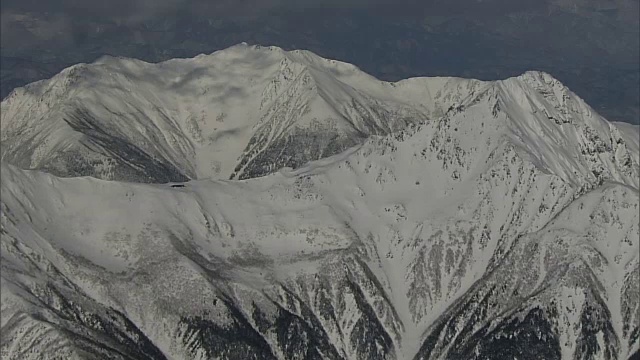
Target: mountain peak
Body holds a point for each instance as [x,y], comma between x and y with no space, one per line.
[230,113]
[538,76]
[429,218]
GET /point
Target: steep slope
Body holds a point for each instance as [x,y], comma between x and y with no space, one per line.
[505,228]
[241,112]
[566,291]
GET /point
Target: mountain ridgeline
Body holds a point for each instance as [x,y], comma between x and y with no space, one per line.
[263,204]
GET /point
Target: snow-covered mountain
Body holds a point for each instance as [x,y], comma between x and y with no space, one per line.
[242,112]
[424,219]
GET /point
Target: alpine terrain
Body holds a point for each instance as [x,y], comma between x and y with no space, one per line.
[257,203]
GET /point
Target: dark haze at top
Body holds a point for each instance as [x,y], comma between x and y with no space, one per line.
[591,46]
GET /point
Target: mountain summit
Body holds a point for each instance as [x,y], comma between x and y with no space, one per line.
[240,113]
[431,218]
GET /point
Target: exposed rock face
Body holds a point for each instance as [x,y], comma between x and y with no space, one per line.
[499,223]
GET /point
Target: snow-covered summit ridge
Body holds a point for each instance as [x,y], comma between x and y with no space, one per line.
[432,218]
[243,112]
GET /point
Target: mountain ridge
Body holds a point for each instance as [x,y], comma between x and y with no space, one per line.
[505,226]
[346,107]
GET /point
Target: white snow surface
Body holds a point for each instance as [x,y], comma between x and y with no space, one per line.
[509,182]
[212,116]
[199,114]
